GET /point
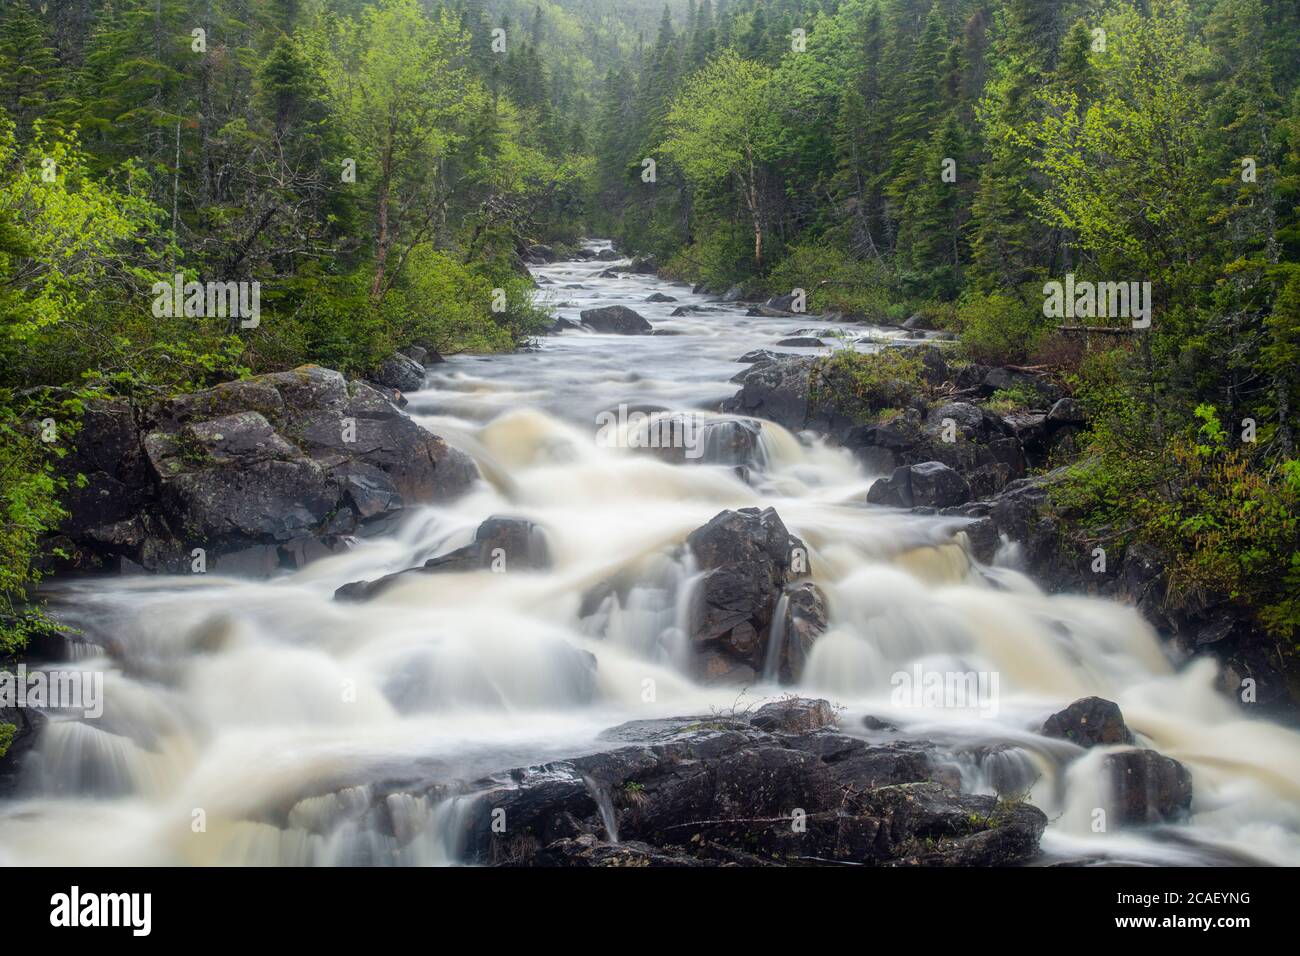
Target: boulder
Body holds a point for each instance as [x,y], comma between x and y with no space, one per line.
[746,558]
[607,255]
[539,251]
[1089,722]
[659,297]
[1147,787]
[928,484]
[1066,411]
[643,266]
[794,716]
[401,373]
[801,341]
[616,319]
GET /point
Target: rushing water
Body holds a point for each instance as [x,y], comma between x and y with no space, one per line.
[257,722]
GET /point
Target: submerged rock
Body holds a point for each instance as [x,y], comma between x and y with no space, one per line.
[500,544]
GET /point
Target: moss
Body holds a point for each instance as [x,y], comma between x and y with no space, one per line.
[7,732]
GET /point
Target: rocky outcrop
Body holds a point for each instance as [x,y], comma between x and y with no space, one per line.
[249,476]
[746,557]
[615,319]
[500,544]
[780,787]
[1089,722]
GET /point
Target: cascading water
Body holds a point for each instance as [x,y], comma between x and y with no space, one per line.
[303,730]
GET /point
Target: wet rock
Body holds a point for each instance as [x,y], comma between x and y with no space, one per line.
[616,319]
[401,372]
[542,252]
[563,325]
[919,322]
[659,297]
[747,557]
[643,266]
[500,544]
[1089,722]
[728,789]
[795,716]
[805,621]
[734,294]
[928,484]
[260,474]
[777,391]
[801,341]
[1147,787]
[607,255]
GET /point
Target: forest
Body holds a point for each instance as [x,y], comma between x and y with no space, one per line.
[379,170]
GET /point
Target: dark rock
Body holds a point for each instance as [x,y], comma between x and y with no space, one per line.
[801,341]
[607,255]
[778,788]
[928,484]
[539,251]
[659,297]
[267,472]
[402,373]
[616,319]
[747,557]
[805,621]
[1065,412]
[795,716]
[417,353]
[1089,722]
[1147,787]
[781,303]
[918,321]
[643,266]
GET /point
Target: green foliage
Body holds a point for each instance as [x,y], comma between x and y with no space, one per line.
[836,281]
[999,329]
[862,384]
[7,732]
[29,506]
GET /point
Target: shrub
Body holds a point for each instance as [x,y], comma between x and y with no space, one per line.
[862,384]
[999,329]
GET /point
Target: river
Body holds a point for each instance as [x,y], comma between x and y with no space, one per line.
[253,722]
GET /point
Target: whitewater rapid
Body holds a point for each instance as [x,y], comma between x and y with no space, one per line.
[257,722]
